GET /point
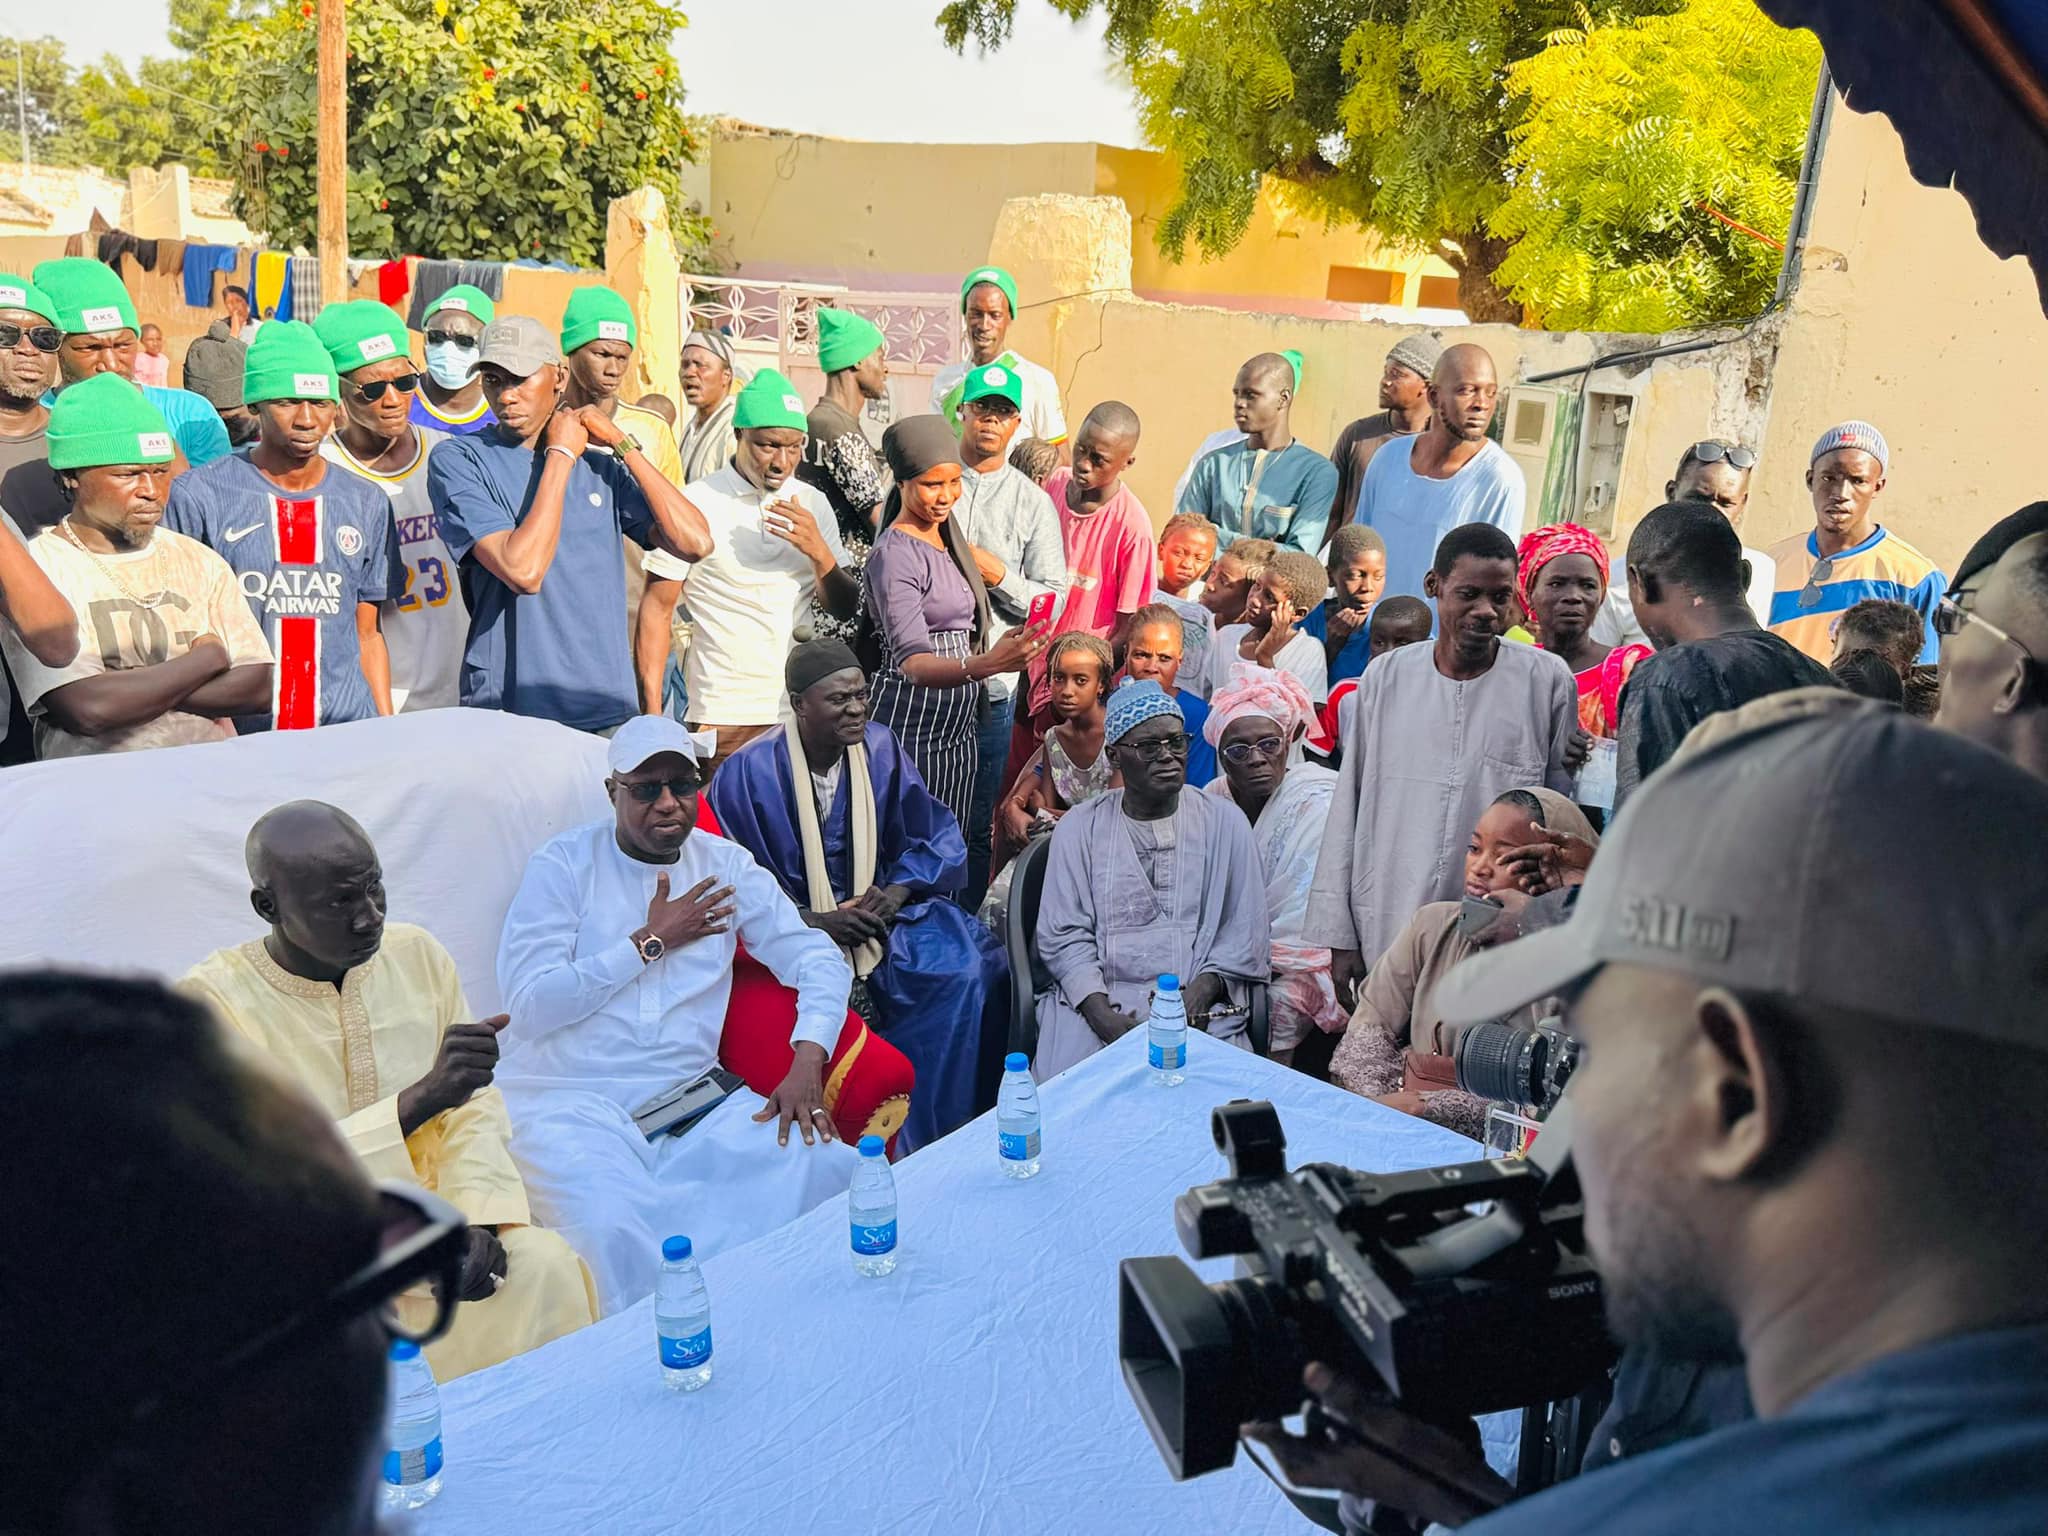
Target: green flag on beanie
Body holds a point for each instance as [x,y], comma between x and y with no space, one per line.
[107,420]
[89,296]
[1294,361]
[287,362]
[995,275]
[20,293]
[597,314]
[359,333]
[845,339]
[466,297]
[769,400]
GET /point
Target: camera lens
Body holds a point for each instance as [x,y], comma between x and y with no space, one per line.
[1500,1062]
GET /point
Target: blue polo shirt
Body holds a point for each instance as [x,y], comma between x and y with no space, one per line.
[1357,651]
[1949,1437]
[559,653]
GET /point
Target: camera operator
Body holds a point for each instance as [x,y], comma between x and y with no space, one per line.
[1813,1062]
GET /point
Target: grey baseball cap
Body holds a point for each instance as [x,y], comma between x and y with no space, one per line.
[519,344]
[1854,859]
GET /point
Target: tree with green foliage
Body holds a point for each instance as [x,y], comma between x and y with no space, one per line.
[47,103]
[1653,169]
[1399,114]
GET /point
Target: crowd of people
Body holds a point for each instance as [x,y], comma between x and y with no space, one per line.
[1279,748]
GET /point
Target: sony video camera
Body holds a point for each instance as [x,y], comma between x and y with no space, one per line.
[1512,1065]
[1464,1289]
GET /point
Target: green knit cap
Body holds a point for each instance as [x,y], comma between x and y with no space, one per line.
[597,314]
[844,339]
[106,420]
[466,297]
[359,333]
[89,296]
[995,275]
[20,293]
[769,400]
[287,362]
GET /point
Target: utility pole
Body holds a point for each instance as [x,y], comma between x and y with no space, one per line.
[28,155]
[333,150]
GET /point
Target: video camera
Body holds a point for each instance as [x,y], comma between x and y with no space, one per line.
[1465,1289]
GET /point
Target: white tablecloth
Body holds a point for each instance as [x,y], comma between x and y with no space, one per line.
[975,1390]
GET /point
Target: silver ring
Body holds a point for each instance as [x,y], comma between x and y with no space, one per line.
[816,1112]
[497,1283]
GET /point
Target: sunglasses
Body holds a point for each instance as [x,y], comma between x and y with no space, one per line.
[450,339]
[1159,748]
[1951,618]
[44,338]
[1737,456]
[405,384]
[648,792]
[423,1237]
[1245,751]
[1823,568]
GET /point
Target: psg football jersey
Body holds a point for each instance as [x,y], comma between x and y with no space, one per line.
[304,560]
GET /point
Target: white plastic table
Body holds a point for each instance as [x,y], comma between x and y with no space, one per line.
[975,1390]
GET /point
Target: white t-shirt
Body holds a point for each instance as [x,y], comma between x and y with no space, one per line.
[1615,623]
[1042,414]
[745,597]
[135,609]
[426,629]
[1303,656]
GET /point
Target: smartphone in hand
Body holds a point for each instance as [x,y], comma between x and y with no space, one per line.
[1476,915]
[1040,611]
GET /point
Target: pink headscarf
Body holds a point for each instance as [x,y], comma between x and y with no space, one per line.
[1252,690]
[1542,545]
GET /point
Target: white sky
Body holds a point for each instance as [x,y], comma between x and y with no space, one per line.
[857,69]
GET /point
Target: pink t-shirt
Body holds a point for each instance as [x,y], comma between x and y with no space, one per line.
[153,370]
[1109,567]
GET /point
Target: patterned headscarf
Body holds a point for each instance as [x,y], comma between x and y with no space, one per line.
[1542,545]
[1135,703]
[1279,696]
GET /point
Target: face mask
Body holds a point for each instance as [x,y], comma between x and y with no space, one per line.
[450,366]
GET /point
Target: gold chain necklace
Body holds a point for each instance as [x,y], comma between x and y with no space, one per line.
[111,571]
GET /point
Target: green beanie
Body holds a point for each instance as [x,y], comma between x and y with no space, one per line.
[106,420]
[845,339]
[466,297]
[597,314]
[20,293]
[359,333]
[89,296]
[287,362]
[995,275]
[769,400]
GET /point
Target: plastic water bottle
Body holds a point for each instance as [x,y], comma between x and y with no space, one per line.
[871,1203]
[682,1318]
[412,1461]
[1017,1118]
[1166,1034]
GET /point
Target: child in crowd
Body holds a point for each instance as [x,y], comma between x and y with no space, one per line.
[1358,571]
[151,365]
[1035,458]
[1396,621]
[1070,765]
[1232,577]
[1896,632]
[1270,635]
[1187,550]
[661,406]
[1869,674]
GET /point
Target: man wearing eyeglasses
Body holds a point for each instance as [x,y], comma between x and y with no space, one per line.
[616,967]
[1994,629]
[452,400]
[1717,472]
[370,1019]
[313,546]
[1145,881]
[426,625]
[210,1269]
[1848,556]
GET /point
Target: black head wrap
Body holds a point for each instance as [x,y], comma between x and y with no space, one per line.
[814,661]
[911,447]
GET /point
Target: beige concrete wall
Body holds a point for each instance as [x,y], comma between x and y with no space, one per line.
[1903,318]
[836,209]
[1287,252]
